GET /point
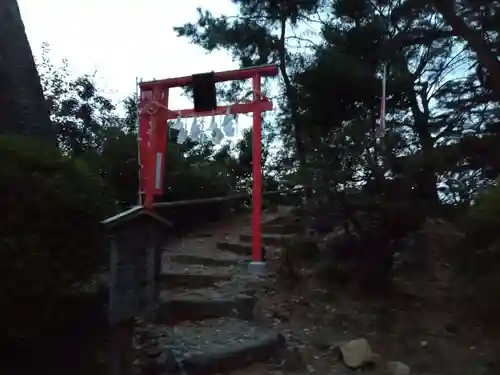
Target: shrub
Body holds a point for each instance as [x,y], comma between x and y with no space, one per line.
[482,221]
[50,233]
[476,258]
[298,252]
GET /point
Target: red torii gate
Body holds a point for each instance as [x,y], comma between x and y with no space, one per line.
[153,130]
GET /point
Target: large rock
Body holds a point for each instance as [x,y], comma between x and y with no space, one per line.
[356,353]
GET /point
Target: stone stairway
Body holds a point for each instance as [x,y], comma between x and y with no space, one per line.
[205,323]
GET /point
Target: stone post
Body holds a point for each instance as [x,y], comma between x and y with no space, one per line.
[135,263]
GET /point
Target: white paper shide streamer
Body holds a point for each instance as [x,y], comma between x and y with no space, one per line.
[178,123]
[226,129]
[228,124]
[182,136]
[195,131]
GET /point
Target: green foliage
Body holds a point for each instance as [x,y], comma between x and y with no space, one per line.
[482,220]
[78,108]
[51,236]
[475,258]
[117,164]
[332,92]
[297,252]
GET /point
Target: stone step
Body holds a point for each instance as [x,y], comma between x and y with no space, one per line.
[172,279]
[175,275]
[220,346]
[235,247]
[282,220]
[229,260]
[268,239]
[278,220]
[282,228]
[203,304]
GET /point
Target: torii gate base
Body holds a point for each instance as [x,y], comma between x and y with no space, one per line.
[257,268]
[153,131]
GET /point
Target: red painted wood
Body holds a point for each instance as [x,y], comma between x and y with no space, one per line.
[262,105]
[257,174]
[229,75]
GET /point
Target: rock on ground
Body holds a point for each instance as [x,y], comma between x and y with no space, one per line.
[356,353]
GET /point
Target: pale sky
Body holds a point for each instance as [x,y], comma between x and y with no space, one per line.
[123,40]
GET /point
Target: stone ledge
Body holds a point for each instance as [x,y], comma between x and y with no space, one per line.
[185,307]
[232,358]
[171,280]
[206,260]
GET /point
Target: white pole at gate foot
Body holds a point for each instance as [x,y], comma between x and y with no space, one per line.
[137,109]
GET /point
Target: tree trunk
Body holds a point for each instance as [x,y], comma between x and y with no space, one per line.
[291,95]
[426,180]
[23,109]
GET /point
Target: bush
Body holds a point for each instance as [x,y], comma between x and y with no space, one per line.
[298,252]
[482,221]
[475,260]
[50,233]
[479,254]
